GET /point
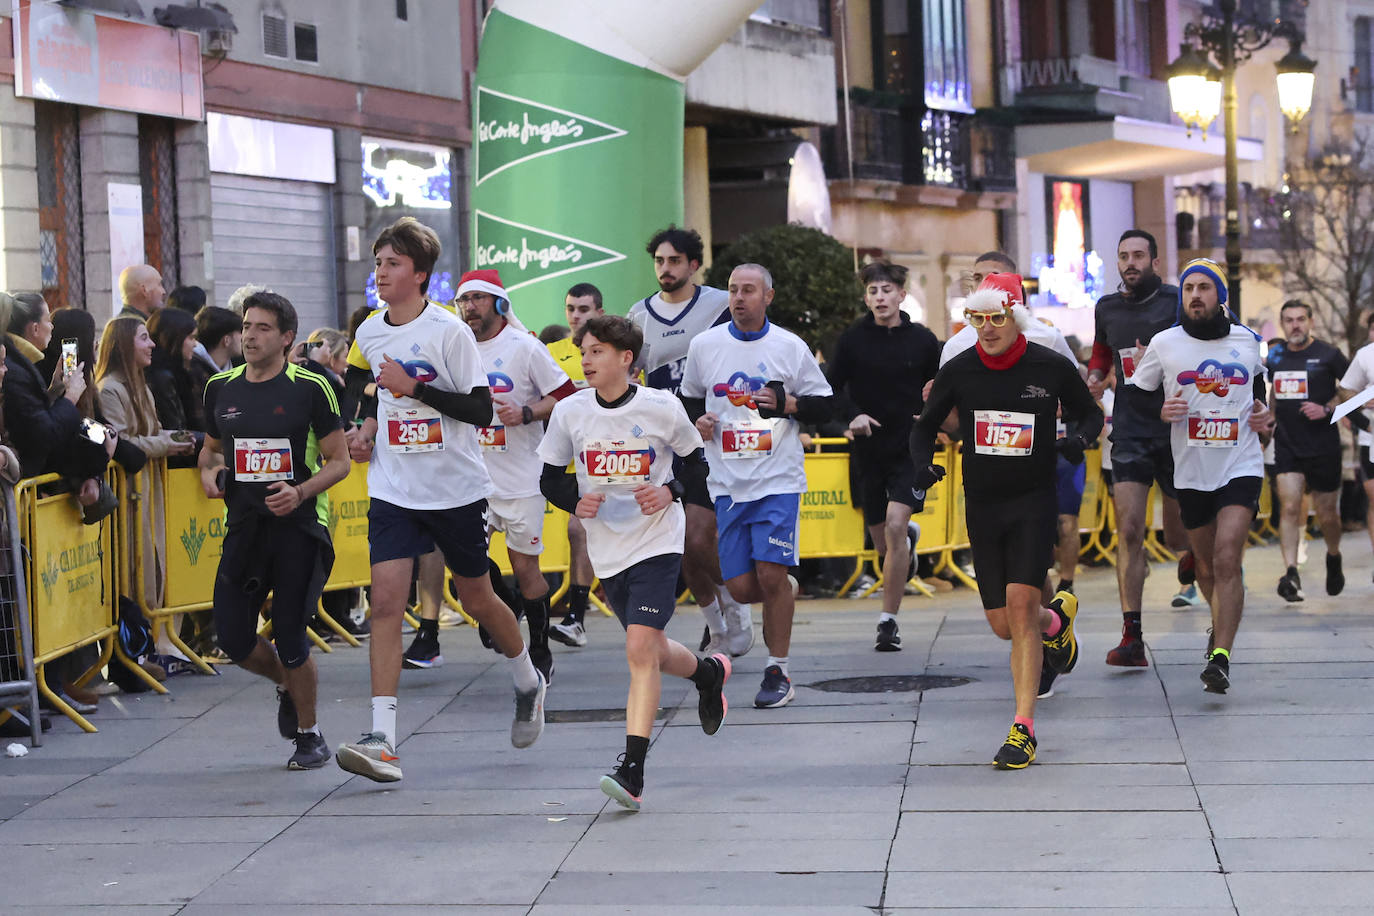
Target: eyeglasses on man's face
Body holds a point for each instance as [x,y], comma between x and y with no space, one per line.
[978,319]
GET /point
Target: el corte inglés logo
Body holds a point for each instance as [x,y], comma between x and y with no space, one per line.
[526,254]
[512,130]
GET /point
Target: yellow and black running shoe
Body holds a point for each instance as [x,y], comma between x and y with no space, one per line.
[1061,649]
[1019,751]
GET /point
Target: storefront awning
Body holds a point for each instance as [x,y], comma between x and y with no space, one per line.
[1125,149]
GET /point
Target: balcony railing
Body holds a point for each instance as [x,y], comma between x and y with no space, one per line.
[897,140]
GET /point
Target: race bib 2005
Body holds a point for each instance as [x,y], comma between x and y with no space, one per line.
[1213,429]
[1003,432]
[262,460]
[1290,386]
[617,462]
[746,439]
[414,429]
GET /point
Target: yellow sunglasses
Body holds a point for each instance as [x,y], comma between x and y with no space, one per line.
[977,319]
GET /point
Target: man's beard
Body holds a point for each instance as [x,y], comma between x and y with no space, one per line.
[1299,341]
[1141,279]
[1213,326]
[672,287]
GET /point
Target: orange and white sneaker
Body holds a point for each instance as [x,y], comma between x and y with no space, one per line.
[371,756]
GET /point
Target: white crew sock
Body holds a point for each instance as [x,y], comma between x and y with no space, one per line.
[522,671]
[780,662]
[886,616]
[312,730]
[715,620]
[384,718]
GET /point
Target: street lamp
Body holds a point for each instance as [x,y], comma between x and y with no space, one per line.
[1196,86]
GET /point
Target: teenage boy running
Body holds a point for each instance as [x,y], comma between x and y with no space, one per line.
[622,440]
[427,483]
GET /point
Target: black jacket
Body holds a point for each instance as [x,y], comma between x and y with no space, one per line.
[39,429]
[881,372]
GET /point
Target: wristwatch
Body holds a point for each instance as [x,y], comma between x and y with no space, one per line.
[526,415]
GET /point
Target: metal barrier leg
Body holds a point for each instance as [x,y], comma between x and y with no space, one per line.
[62,705]
[118,653]
[318,640]
[853,576]
[948,558]
[336,626]
[601,605]
[176,640]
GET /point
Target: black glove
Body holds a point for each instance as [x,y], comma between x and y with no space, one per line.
[781,394]
[1072,448]
[928,476]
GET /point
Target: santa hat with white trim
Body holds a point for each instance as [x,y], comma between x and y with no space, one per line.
[489,281]
[999,293]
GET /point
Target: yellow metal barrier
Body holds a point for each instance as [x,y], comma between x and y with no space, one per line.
[74,575]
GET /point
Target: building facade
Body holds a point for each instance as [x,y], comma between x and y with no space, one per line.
[264,145]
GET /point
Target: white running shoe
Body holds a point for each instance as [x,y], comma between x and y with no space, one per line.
[529,715]
[717,644]
[739,630]
[569,634]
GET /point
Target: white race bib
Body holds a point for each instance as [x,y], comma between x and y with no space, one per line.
[1003,432]
[746,439]
[492,438]
[1213,428]
[262,460]
[617,462]
[1290,386]
[414,429]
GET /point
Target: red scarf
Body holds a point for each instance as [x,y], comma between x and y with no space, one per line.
[1007,359]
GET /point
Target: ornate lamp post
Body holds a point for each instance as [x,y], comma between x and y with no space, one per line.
[1197,88]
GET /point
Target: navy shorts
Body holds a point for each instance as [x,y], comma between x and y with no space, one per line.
[1322,473]
[646,592]
[396,533]
[1068,487]
[762,529]
[270,554]
[1143,461]
[1199,508]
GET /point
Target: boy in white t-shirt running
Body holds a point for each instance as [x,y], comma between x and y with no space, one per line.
[622,440]
[427,484]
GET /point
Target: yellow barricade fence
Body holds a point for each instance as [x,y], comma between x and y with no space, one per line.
[1264,526]
[74,576]
[1093,513]
[830,524]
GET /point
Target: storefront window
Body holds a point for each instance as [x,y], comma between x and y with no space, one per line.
[413,179]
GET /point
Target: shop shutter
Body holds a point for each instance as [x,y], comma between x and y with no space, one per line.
[278,234]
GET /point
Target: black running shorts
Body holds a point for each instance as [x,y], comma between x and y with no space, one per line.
[882,478]
[283,556]
[1200,507]
[1322,472]
[645,593]
[1013,542]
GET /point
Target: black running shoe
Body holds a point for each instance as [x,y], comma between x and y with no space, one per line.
[1047,676]
[311,752]
[286,716]
[1187,569]
[889,640]
[625,784]
[705,639]
[1061,649]
[423,652]
[1019,750]
[1290,586]
[1216,677]
[1335,576]
[711,703]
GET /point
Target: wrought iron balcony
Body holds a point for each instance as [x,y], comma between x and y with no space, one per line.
[897,139]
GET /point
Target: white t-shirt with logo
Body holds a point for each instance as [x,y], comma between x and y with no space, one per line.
[520,371]
[669,328]
[423,459]
[1215,444]
[751,457]
[614,449]
[1357,378]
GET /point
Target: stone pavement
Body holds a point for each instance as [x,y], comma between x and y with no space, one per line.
[1148,794]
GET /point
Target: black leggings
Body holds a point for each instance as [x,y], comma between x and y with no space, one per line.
[281,556]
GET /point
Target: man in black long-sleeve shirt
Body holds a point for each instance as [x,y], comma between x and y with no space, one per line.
[882,362]
[1006,392]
